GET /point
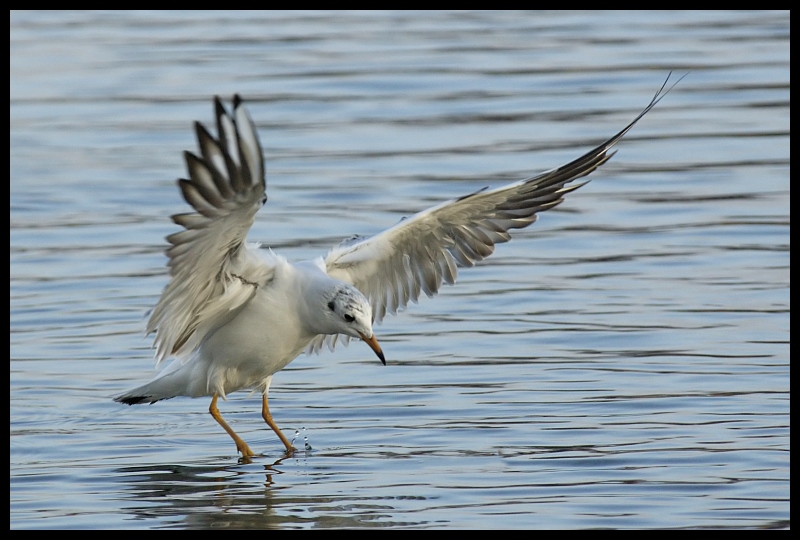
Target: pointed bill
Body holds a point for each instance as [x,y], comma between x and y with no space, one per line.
[373,344]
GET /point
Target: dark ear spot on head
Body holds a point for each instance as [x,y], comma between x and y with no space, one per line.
[331,305]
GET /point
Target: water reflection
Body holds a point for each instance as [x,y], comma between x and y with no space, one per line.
[206,497]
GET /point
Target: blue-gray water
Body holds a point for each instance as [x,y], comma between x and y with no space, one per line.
[624,362]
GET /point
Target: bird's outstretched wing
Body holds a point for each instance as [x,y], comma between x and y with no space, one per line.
[420,253]
[213,273]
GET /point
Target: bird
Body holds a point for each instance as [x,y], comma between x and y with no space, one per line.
[233,315]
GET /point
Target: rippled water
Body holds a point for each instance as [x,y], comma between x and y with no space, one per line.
[622,363]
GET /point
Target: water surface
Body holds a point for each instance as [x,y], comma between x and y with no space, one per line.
[622,363]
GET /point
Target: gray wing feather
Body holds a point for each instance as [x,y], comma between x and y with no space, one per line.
[213,273]
[420,253]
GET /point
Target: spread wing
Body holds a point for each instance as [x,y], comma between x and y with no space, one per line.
[213,273]
[420,253]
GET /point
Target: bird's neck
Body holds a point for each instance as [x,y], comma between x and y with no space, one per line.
[314,287]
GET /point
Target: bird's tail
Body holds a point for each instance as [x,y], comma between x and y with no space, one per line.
[168,384]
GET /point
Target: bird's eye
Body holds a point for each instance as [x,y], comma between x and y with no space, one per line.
[349,318]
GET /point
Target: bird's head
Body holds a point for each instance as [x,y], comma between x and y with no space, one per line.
[350,313]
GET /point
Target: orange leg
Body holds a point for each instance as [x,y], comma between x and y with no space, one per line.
[241,446]
[271,423]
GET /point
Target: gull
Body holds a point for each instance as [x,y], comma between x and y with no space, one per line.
[234,315]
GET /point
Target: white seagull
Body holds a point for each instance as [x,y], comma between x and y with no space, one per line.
[234,315]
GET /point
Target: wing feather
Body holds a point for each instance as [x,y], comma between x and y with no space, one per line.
[213,273]
[420,253]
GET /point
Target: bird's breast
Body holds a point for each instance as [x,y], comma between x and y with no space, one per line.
[259,341]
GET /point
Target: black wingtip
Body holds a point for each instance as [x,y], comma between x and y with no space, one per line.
[219,108]
[201,131]
[130,400]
